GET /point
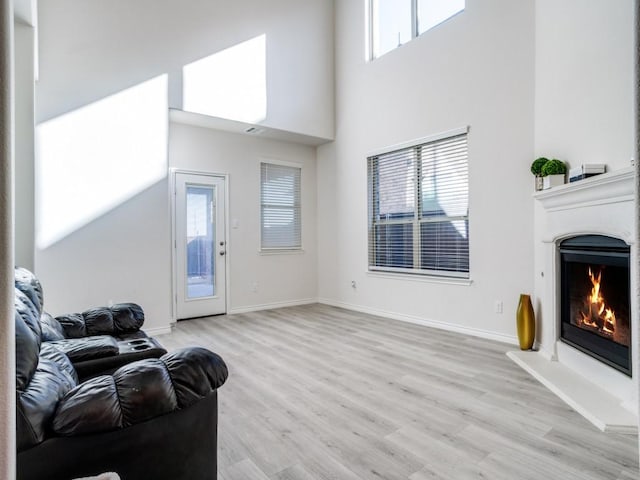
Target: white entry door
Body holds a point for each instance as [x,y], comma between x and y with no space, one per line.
[200,245]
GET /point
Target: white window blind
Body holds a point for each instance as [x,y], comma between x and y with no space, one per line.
[280,207]
[419,208]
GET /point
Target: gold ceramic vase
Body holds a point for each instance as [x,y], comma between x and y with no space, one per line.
[525,322]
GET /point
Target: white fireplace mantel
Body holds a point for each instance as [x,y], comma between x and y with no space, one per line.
[602,205]
[607,188]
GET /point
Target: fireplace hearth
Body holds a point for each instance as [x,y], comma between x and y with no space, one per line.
[595,298]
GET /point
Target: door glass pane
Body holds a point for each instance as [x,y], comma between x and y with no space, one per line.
[201,239]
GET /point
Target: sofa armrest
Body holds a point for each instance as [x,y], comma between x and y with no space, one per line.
[51,328]
[87,348]
[118,319]
[129,352]
[140,391]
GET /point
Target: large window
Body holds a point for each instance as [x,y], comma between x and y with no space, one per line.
[419,207]
[394,22]
[280,207]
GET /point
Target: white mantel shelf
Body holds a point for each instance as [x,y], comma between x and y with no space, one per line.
[611,187]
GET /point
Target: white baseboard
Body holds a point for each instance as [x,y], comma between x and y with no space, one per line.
[475,332]
[269,306]
[152,332]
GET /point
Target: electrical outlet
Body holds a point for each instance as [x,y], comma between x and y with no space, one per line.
[498,306]
[353,284]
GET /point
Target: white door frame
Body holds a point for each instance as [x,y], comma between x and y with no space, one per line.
[174,267]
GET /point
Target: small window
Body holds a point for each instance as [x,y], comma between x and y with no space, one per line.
[280,207]
[395,22]
[419,208]
[390,25]
[434,12]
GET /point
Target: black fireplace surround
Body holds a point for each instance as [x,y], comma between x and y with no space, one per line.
[595,298]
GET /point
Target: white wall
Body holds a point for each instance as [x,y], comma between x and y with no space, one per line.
[584,102]
[24,144]
[7,323]
[585,81]
[478,70]
[91,52]
[282,279]
[91,49]
[123,256]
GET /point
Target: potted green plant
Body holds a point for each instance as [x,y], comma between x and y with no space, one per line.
[553,173]
[536,169]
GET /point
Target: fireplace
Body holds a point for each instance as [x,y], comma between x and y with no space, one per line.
[590,223]
[595,298]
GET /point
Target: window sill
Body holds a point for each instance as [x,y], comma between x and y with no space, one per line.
[420,278]
[284,251]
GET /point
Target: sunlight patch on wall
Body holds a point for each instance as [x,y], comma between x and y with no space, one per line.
[94,158]
[229,84]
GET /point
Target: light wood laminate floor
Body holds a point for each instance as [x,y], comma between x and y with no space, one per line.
[317,392]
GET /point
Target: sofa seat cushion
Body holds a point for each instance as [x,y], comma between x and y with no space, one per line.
[140,391]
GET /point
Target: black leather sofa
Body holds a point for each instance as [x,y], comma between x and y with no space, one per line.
[151,419]
[98,340]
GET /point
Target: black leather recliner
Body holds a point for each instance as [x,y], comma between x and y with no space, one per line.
[150,419]
[98,340]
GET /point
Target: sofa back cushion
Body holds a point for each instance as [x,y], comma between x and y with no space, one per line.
[118,319]
[28,283]
[28,338]
[43,374]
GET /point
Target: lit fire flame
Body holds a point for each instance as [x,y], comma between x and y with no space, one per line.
[597,314]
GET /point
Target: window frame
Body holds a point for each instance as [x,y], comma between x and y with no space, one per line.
[268,250]
[417,219]
[415,27]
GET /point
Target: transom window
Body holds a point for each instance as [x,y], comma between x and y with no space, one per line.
[395,22]
[419,207]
